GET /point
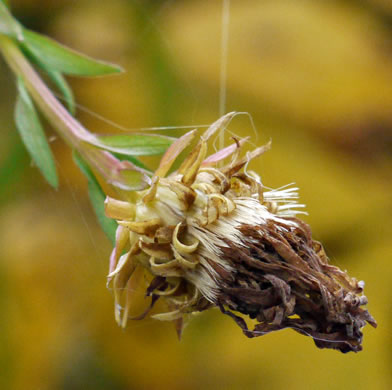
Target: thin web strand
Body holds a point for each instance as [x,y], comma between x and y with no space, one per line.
[109,122]
[224,60]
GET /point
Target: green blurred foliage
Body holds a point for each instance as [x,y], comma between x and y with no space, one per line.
[316,77]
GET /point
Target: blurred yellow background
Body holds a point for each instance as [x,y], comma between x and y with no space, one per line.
[316,76]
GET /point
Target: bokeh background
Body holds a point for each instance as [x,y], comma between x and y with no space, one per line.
[315,75]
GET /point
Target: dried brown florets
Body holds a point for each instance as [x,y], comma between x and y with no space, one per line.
[211,236]
[283,279]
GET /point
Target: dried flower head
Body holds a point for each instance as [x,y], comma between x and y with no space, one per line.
[212,236]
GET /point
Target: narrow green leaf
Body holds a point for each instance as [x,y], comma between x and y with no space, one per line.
[63,59]
[57,79]
[8,24]
[12,167]
[97,198]
[135,144]
[63,87]
[33,136]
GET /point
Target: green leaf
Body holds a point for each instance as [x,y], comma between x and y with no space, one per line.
[57,79]
[33,136]
[12,167]
[97,198]
[63,87]
[8,24]
[135,144]
[63,59]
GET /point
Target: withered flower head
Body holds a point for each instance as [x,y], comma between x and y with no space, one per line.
[211,236]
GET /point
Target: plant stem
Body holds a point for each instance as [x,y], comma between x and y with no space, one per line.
[68,127]
[72,132]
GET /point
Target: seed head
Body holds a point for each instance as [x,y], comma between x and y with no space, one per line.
[215,236]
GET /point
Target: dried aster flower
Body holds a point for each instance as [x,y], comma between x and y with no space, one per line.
[211,236]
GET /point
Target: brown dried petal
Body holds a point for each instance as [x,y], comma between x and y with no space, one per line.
[283,279]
